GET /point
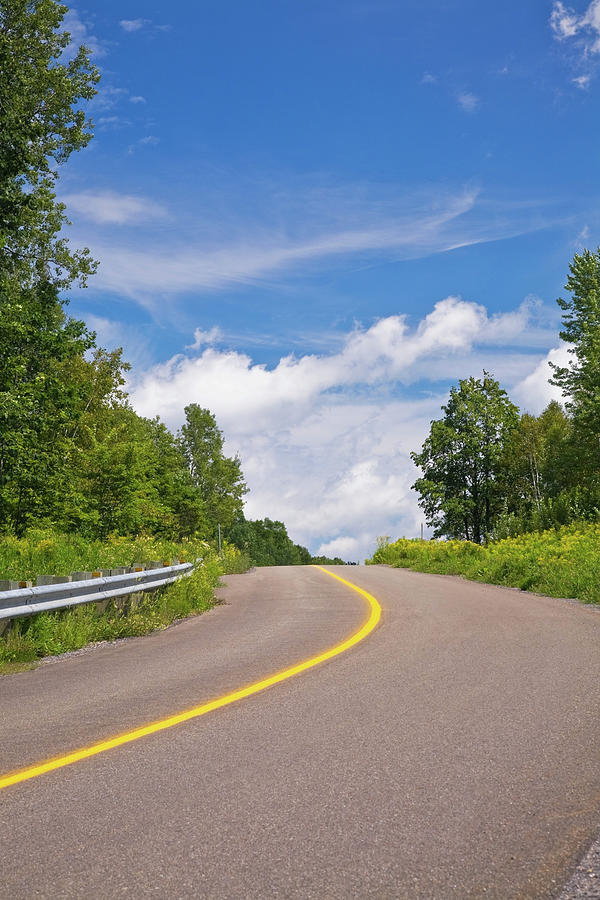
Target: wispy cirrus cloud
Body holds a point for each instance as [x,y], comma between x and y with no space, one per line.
[321,229]
[111,208]
[131,25]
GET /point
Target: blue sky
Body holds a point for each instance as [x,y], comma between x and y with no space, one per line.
[314,217]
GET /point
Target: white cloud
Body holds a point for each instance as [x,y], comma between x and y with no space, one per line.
[582,82]
[328,229]
[348,548]
[137,99]
[132,339]
[110,123]
[149,140]
[468,102]
[133,24]
[107,331]
[110,208]
[108,96]
[534,393]
[205,338]
[566,23]
[563,21]
[325,439]
[80,34]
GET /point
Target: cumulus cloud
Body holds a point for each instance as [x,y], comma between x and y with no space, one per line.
[325,439]
[110,208]
[535,392]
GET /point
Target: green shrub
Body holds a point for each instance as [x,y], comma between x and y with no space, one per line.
[560,562]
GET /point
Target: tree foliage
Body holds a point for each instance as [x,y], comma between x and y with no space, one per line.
[41,123]
[218,478]
[461,460]
[580,380]
[267,543]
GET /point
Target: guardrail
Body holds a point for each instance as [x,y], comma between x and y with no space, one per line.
[30,600]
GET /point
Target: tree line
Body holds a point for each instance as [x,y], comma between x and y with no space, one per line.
[74,455]
[489,471]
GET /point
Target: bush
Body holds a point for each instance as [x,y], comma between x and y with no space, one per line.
[560,562]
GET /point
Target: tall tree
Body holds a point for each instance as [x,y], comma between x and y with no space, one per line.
[218,477]
[41,123]
[462,460]
[580,380]
[39,402]
[536,462]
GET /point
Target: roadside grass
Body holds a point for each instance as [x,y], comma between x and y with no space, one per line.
[46,552]
[562,562]
[30,638]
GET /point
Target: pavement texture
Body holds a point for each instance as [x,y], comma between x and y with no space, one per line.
[584,884]
[454,753]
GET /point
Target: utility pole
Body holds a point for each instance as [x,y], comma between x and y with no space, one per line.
[219,527]
[421,531]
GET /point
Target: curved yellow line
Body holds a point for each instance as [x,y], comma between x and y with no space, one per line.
[126,738]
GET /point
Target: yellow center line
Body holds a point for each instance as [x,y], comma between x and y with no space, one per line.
[196,711]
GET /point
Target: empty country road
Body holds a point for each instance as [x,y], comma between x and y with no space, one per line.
[452,753]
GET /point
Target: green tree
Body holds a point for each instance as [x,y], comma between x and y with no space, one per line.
[41,124]
[38,401]
[536,459]
[462,460]
[580,380]
[267,543]
[218,478]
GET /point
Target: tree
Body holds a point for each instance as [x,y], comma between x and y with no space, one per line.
[580,380]
[218,478]
[536,460]
[41,124]
[267,543]
[462,460]
[38,400]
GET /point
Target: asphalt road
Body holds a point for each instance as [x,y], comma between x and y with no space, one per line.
[454,753]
